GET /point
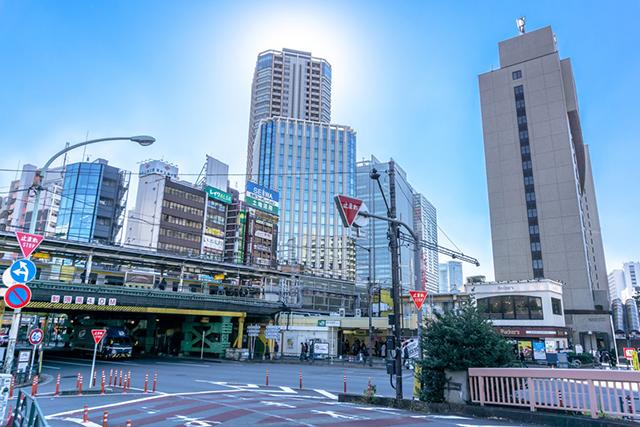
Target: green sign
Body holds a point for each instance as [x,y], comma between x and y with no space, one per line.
[262,205]
[322,323]
[219,195]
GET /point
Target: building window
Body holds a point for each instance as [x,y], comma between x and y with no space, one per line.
[556,306]
[516,75]
[511,307]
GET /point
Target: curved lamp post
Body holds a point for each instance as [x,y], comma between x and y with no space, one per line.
[143,140]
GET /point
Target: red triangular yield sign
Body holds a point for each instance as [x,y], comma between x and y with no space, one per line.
[28,242]
[418,298]
[348,207]
[98,334]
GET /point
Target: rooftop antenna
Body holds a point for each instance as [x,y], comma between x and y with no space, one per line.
[520,22]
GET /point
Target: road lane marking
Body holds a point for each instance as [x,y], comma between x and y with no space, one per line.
[278,404]
[199,365]
[143,399]
[326,394]
[88,362]
[51,367]
[79,421]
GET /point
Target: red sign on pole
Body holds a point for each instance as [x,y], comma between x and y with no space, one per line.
[17,296]
[418,298]
[98,334]
[348,207]
[28,242]
[628,353]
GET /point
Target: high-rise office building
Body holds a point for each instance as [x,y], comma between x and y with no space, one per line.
[544,218]
[450,277]
[625,283]
[425,225]
[92,203]
[308,163]
[288,83]
[418,269]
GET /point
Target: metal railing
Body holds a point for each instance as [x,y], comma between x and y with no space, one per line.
[597,393]
[28,412]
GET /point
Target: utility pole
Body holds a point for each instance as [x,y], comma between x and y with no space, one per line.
[395,277]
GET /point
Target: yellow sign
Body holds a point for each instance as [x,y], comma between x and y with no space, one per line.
[417,383]
[214,232]
[41,255]
[219,276]
[636,365]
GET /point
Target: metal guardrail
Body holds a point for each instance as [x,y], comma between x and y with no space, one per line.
[589,391]
[28,412]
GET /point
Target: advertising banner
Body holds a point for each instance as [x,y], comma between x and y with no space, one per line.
[264,235]
[539,350]
[219,195]
[214,243]
[262,198]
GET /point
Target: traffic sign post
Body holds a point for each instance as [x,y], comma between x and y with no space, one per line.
[28,242]
[348,208]
[97,334]
[17,296]
[35,338]
[418,298]
[23,271]
[20,296]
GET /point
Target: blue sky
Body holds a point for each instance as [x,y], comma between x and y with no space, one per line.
[404,76]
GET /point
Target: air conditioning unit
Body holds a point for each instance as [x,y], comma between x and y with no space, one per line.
[358,312]
[342,312]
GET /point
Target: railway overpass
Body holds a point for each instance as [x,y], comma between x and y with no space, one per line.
[82,282]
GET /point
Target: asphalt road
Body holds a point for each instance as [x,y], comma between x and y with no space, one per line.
[207,393]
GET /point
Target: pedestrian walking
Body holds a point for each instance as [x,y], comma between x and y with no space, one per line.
[311,351]
[302,352]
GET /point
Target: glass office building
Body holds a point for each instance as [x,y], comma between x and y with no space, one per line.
[417,270]
[308,163]
[92,202]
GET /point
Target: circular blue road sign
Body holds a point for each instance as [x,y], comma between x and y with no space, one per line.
[23,270]
[17,296]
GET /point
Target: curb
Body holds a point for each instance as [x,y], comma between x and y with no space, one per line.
[512,414]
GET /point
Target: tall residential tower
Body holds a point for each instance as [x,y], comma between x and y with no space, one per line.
[288,83]
[544,217]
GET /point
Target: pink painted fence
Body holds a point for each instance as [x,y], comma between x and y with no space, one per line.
[596,392]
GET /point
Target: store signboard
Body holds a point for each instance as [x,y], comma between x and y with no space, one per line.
[217,194]
[261,205]
[262,198]
[214,232]
[263,235]
[214,243]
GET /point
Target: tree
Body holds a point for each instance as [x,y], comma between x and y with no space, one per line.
[456,341]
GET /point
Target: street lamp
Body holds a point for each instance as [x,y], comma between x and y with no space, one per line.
[143,140]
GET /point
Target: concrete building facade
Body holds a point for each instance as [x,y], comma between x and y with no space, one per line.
[544,217]
[625,283]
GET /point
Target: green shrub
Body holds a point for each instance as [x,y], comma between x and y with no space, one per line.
[457,341]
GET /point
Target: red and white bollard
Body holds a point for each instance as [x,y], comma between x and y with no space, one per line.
[300,379]
[79,384]
[110,377]
[34,386]
[12,386]
[102,381]
[146,383]
[57,392]
[155,381]
[266,380]
[128,423]
[85,415]
[105,418]
[120,377]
